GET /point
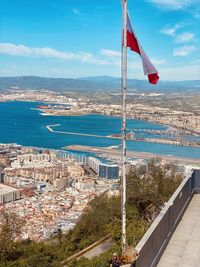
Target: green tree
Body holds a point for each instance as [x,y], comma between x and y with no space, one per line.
[10,229]
[146,194]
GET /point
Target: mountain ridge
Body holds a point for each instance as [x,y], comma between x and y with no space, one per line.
[91,83]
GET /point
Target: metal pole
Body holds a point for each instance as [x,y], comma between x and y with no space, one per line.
[147,168]
[124,85]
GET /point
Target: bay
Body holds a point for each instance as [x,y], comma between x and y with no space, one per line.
[20,123]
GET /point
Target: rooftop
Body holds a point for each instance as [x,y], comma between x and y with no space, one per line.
[6,189]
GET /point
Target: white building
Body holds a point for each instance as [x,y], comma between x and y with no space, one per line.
[8,194]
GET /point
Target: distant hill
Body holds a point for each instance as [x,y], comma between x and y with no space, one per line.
[37,83]
[92,83]
[113,82]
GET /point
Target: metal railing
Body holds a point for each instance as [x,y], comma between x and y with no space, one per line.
[155,240]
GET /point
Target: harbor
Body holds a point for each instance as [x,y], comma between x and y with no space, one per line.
[130,136]
[32,131]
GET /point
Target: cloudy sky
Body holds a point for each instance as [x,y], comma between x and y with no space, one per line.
[77,38]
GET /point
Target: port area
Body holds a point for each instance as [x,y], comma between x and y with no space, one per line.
[117,136]
[134,154]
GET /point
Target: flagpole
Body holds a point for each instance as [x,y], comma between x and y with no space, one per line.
[124,85]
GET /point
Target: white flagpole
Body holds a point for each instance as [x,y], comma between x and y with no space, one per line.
[124,85]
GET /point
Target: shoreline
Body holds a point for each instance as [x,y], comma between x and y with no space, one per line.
[82,113]
[155,140]
[57,113]
[146,139]
[117,152]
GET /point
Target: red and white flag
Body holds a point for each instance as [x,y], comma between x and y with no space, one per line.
[135,46]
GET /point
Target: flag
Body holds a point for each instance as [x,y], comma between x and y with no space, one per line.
[134,45]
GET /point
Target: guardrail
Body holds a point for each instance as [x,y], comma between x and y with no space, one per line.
[155,240]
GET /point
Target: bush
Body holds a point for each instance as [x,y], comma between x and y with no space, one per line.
[146,194]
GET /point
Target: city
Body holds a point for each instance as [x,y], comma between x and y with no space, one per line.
[50,189]
[99,133]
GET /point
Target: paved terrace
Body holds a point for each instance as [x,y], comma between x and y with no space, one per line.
[173,240]
[183,249]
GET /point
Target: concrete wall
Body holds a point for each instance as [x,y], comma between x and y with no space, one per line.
[196,181]
[154,242]
[10,196]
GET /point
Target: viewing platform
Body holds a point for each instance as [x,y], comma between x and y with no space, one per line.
[184,247]
[173,240]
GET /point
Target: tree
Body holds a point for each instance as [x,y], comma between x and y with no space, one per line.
[150,192]
[10,229]
[146,194]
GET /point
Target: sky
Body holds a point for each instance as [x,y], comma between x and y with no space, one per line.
[81,38]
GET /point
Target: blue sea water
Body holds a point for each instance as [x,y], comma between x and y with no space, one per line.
[21,124]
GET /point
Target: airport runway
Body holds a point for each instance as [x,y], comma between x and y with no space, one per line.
[135,154]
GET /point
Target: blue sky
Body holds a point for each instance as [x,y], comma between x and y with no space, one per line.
[78,38]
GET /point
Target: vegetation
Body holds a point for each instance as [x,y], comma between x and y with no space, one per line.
[146,193]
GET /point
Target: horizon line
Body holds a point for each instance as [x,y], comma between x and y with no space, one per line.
[84,77]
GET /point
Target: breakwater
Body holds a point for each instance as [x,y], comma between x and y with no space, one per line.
[49,127]
[22,124]
[117,136]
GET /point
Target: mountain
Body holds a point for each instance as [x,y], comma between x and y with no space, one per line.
[144,84]
[93,83]
[37,83]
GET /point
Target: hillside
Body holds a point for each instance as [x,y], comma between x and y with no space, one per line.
[146,194]
[99,83]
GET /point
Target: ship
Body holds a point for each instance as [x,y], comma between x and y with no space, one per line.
[43,107]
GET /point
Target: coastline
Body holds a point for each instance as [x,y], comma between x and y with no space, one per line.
[61,112]
[152,140]
[146,140]
[143,155]
[79,112]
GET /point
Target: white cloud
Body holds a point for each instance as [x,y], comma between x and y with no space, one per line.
[110,53]
[190,71]
[11,49]
[76,11]
[103,57]
[21,50]
[105,60]
[184,37]
[47,52]
[196,13]
[180,73]
[184,50]
[170,31]
[173,4]
[114,57]
[179,38]
[192,7]
[158,61]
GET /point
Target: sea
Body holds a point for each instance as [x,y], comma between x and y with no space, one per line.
[22,123]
